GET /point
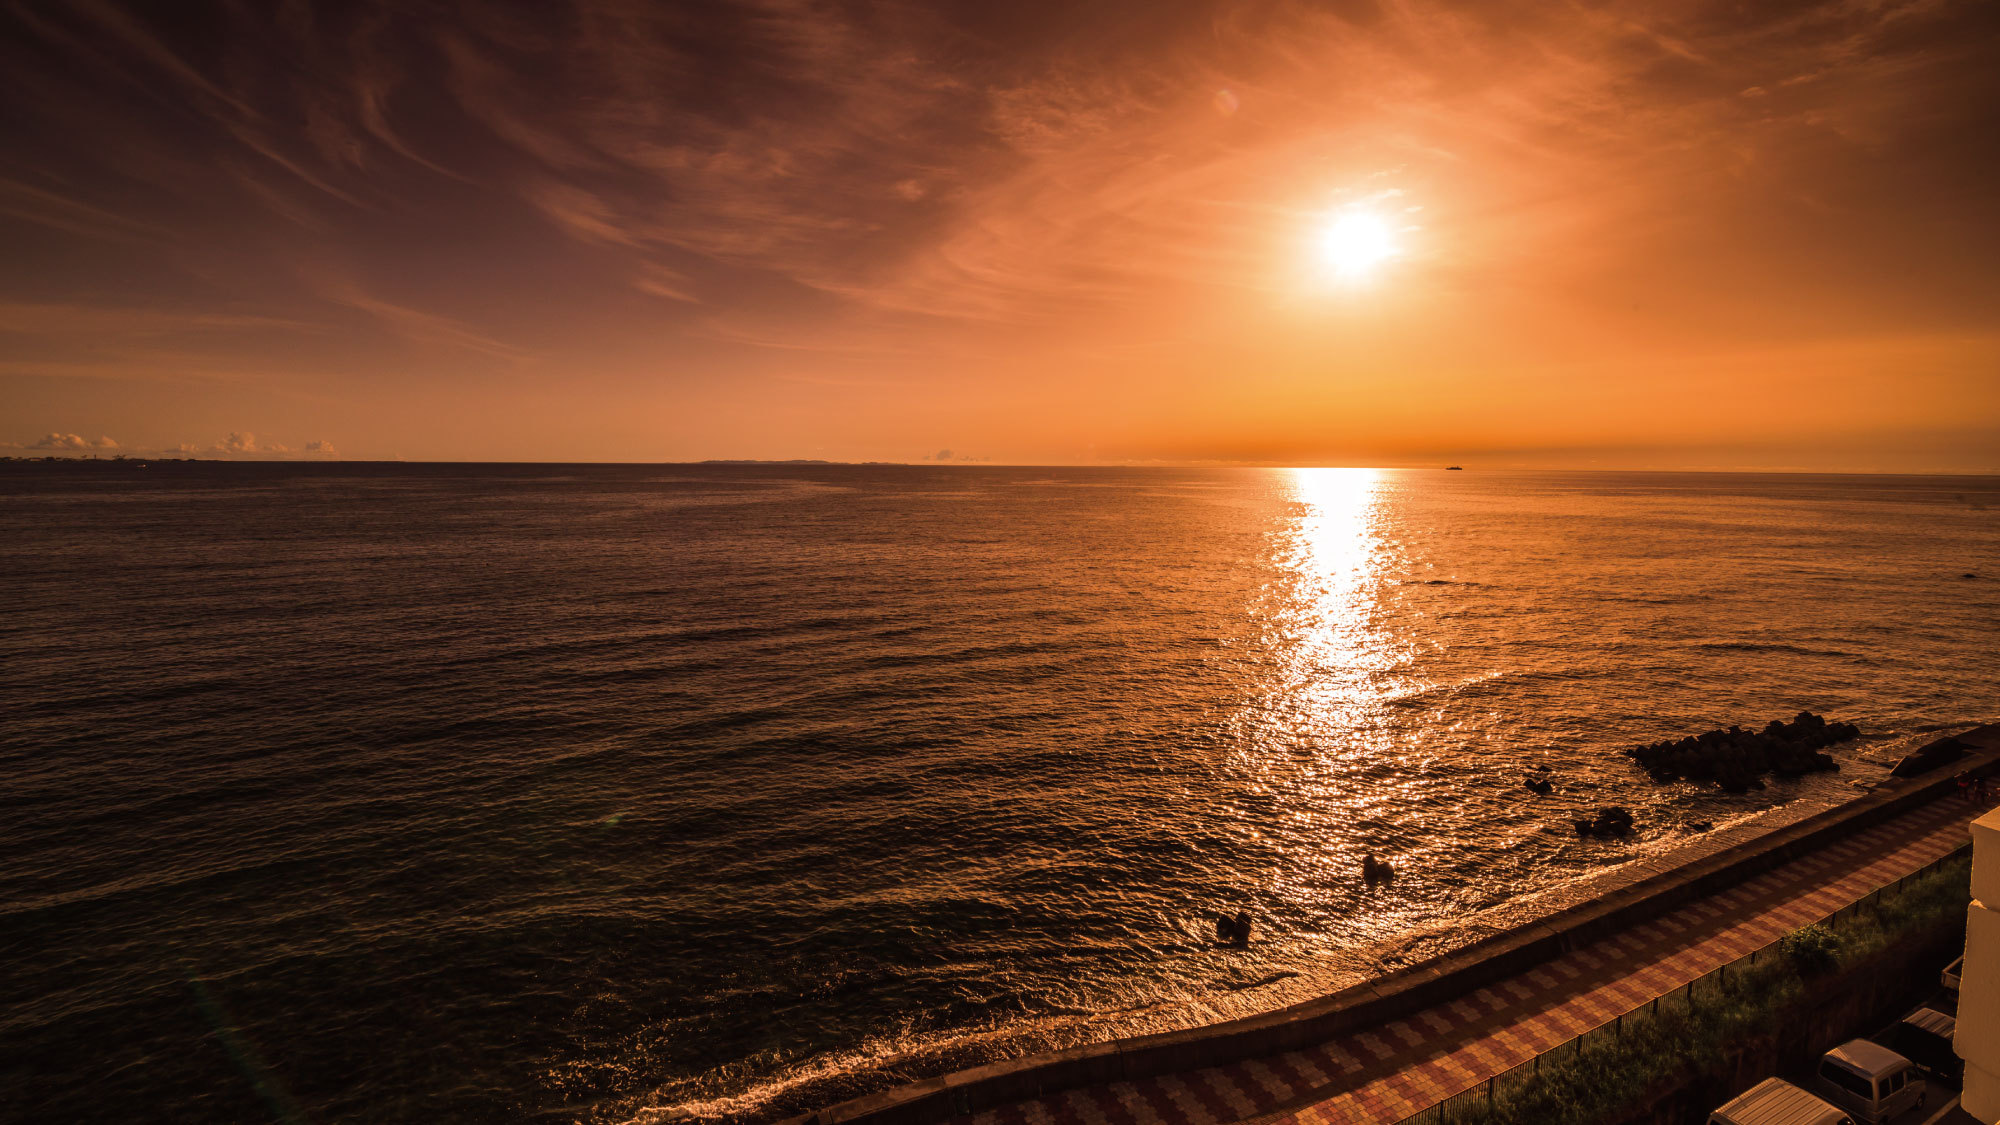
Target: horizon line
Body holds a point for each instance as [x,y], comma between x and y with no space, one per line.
[989,464]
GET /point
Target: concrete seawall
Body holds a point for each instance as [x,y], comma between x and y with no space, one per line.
[1405,991]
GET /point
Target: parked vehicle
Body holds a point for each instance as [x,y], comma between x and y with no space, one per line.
[1775,1101]
[1924,1037]
[1949,978]
[1869,1080]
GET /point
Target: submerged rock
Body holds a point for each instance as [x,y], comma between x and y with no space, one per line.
[1610,821]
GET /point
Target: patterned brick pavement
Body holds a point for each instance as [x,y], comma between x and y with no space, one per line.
[1389,1072]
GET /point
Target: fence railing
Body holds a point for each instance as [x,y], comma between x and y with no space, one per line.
[1688,996]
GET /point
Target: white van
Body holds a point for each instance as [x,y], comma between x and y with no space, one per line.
[1869,1080]
[1775,1101]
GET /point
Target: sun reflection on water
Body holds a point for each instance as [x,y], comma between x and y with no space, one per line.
[1335,556]
[1321,758]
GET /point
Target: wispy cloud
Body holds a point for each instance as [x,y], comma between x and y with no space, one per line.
[29,318]
[416,325]
[623,194]
[860,157]
[661,281]
[906,186]
[52,209]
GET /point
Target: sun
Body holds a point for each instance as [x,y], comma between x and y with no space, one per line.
[1355,244]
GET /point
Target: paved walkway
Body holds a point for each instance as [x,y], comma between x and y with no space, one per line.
[1389,1072]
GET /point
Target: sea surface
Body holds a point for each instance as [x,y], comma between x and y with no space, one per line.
[441,793]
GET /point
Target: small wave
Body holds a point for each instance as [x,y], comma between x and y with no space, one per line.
[1766,646]
[1471,685]
[1272,979]
[831,1077]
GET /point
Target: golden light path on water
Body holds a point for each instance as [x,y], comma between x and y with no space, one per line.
[1336,555]
[1323,751]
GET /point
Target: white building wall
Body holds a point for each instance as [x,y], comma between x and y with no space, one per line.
[1978,1037]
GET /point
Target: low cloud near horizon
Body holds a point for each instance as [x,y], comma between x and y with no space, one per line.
[238,445]
[73,443]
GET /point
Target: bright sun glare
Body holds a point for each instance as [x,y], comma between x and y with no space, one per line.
[1355,243]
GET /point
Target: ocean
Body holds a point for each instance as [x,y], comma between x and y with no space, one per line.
[359,792]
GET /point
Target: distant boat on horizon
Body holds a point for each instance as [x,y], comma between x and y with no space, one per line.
[1454,468]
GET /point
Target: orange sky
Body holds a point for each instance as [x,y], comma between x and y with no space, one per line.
[1628,235]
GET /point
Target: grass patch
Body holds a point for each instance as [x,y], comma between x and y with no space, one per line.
[1605,1073]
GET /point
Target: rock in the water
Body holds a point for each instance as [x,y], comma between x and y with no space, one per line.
[1540,785]
[1736,759]
[1941,752]
[1610,821]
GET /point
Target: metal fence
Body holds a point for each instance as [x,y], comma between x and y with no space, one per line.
[1468,1103]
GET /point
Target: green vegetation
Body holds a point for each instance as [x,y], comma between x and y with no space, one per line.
[1812,950]
[1606,1073]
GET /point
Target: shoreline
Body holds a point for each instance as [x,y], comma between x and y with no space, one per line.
[773,1099]
[793,1092]
[1664,883]
[786,1095]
